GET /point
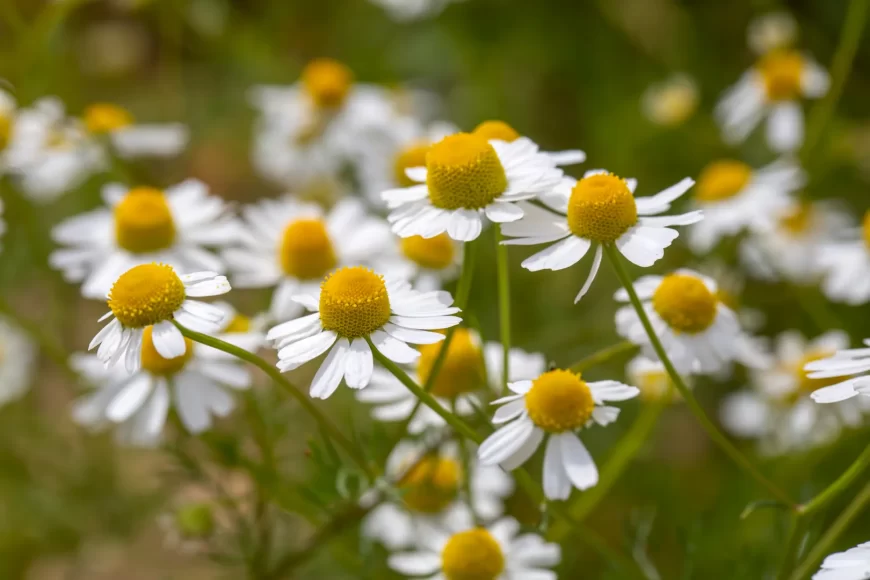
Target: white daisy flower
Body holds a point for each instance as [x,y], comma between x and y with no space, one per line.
[651,378]
[853,564]
[495,130]
[408,10]
[352,306]
[845,265]
[49,153]
[198,384]
[735,197]
[154,295]
[779,410]
[599,209]
[141,225]
[291,246]
[466,369]
[498,552]
[131,140]
[239,329]
[772,88]
[772,31]
[793,248]
[844,363]
[671,102]
[466,176]
[555,404]
[17,358]
[700,334]
[430,493]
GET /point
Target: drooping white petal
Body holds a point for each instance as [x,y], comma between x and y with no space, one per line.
[559,256]
[465,225]
[394,349]
[359,365]
[329,374]
[579,465]
[596,263]
[168,340]
[557,484]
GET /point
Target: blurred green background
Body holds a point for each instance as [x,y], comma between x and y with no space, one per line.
[568,73]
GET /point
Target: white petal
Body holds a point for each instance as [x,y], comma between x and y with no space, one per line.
[578,463]
[306,349]
[559,256]
[465,225]
[415,563]
[596,263]
[130,398]
[525,451]
[329,374]
[612,391]
[431,323]
[359,365]
[834,393]
[509,411]
[567,157]
[504,442]
[168,340]
[503,212]
[644,246]
[785,127]
[411,335]
[394,349]
[557,485]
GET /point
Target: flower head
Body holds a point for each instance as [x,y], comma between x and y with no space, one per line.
[671,102]
[845,264]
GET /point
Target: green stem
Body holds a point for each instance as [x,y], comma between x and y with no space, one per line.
[356,454]
[717,436]
[504,305]
[823,546]
[850,37]
[602,356]
[792,547]
[839,486]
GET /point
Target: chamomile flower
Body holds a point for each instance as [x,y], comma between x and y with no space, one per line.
[671,102]
[239,329]
[429,486]
[17,358]
[853,564]
[773,89]
[772,31]
[735,197]
[844,363]
[466,176]
[132,140]
[779,410]
[495,130]
[651,378]
[596,210]
[845,265]
[697,330]
[465,371]
[153,295]
[426,262]
[554,405]
[291,246]
[355,305]
[792,249]
[198,384]
[497,552]
[141,225]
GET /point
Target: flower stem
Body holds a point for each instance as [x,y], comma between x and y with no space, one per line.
[504,305]
[602,356]
[328,427]
[717,436]
[797,528]
[839,486]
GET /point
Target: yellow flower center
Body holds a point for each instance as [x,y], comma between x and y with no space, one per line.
[6,123]
[462,370]
[306,250]
[865,228]
[354,302]
[496,130]
[655,385]
[685,303]
[601,208]
[675,104]
[464,171]
[411,156]
[143,221]
[558,401]
[781,71]
[472,555]
[156,364]
[145,295]
[239,324]
[798,219]
[434,253]
[431,485]
[327,82]
[102,118]
[722,180]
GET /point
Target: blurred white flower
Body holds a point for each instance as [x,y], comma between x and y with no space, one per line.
[430,486]
[596,210]
[129,139]
[554,405]
[142,225]
[671,102]
[772,31]
[772,89]
[735,197]
[853,564]
[651,378]
[845,264]
[407,10]
[844,363]
[425,262]
[17,357]
[355,305]
[291,246]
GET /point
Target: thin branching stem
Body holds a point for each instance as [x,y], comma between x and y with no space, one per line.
[504,306]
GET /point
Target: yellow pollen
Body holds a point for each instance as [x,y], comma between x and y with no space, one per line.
[685,303]
[412,156]
[781,71]
[496,130]
[464,171]
[327,82]
[354,302]
[462,370]
[431,484]
[807,385]
[435,253]
[865,228]
[601,208]
[143,221]
[798,219]
[145,295]
[6,123]
[472,555]
[156,364]
[306,250]
[722,180]
[239,324]
[558,401]
[102,118]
